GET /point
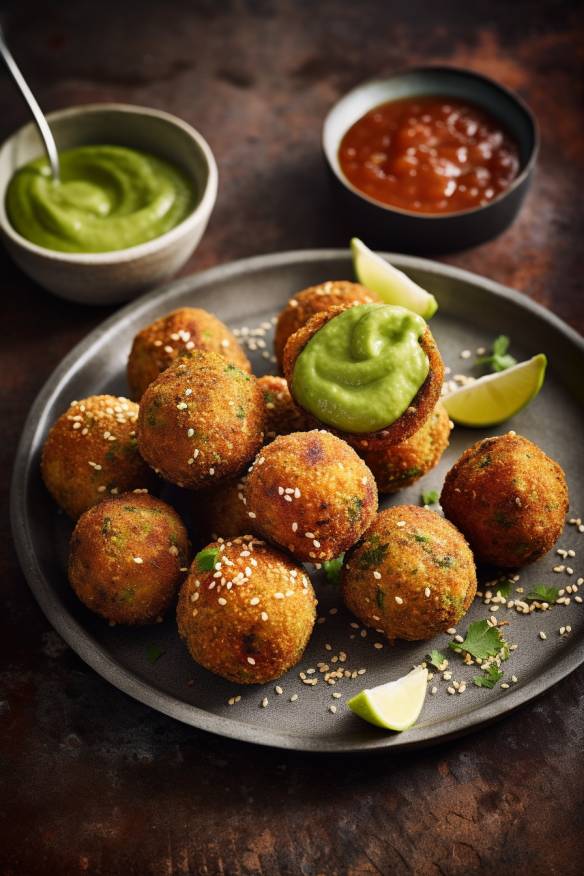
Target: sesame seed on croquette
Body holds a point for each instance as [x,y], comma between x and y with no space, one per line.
[201,421]
[246,610]
[310,493]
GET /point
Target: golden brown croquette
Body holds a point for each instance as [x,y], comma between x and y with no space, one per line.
[282,415]
[508,498]
[311,494]
[177,334]
[401,465]
[128,556]
[91,453]
[411,576]
[314,300]
[201,421]
[251,622]
[409,422]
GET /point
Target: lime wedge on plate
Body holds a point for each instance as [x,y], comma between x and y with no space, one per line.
[396,705]
[492,399]
[392,286]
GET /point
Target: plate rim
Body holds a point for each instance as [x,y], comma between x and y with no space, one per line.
[92,653]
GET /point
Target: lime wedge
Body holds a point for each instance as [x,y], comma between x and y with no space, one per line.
[392,286]
[394,706]
[497,397]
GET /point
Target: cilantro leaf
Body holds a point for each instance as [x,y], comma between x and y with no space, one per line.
[154,653]
[430,497]
[206,559]
[489,678]
[332,569]
[543,593]
[436,658]
[503,587]
[481,641]
[499,359]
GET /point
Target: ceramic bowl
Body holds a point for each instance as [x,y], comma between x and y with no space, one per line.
[392,228]
[111,277]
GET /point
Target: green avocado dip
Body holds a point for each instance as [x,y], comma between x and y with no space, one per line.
[362,369]
[108,198]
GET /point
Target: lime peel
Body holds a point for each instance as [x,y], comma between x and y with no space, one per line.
[391,284]
[395,705]
[494,398]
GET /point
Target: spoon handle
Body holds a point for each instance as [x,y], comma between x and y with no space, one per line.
[41,122]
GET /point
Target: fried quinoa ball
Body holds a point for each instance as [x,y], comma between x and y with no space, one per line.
[201,421]
[127,558]
[282,415]
[410,421]
[411,576]
[251,623]
[177,334]
[314,300]
[310,493]
[222,511]
[508,498]
[400,465]
[91,452]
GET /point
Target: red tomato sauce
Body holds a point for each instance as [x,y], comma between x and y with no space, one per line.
[429,155]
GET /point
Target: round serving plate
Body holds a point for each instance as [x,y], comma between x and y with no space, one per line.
[249,293]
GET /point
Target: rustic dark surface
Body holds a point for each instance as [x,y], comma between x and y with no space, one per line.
[96,783]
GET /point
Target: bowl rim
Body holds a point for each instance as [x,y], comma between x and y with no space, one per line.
[131,253]
[425,69]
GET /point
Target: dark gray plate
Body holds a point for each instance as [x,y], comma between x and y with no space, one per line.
[472,311]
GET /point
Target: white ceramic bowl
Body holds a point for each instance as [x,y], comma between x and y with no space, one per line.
[111,277]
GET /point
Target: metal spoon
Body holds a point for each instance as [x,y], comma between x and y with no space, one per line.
[41,122]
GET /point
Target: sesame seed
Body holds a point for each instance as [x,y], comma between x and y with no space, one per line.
[451,631]
[265,703]
[377,575]
[138,560]
[434,690]
[294,527]
[378,645]
[401,523]
[182,406]
[451,690]
[542,635]
[251,661]
[251,514]
[427,591]
[399,600]
[293,698]
[254,600]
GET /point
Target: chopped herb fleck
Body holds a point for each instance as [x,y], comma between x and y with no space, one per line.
[543,593]
[332,569]
[154,653]
[503,588]
[430,497]
[436,658]
[489,678]
[482,641]
[207,558]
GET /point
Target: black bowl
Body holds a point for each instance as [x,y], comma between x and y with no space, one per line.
[392,228]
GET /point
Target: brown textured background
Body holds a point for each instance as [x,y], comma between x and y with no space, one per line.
[93,782]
